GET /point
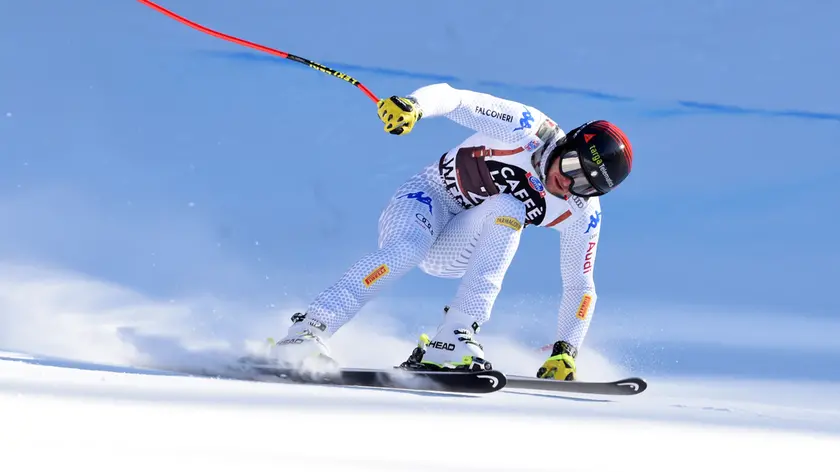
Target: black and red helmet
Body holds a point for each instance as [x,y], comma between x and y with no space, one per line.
[597,156]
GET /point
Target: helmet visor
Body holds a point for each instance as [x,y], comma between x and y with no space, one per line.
[571,167]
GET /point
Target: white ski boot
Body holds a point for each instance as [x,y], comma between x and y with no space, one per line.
[304,348]
[453,347]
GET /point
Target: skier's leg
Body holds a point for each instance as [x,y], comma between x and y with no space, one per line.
[478,246]
[408,227]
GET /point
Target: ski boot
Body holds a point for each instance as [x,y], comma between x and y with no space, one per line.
[453,347]
[304,347]
[561,364]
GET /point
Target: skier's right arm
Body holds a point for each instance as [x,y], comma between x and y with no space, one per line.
[503,119]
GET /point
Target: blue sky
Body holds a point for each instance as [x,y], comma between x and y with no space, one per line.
[142,152]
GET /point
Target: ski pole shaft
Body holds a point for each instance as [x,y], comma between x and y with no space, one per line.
[262,48]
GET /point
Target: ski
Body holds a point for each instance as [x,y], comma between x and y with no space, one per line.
[627,386]
[478,382]
[473,382]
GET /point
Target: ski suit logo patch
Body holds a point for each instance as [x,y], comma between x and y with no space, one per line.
[510,222]
[590,255]
[420,197]
[493,114]
[376,274]
[583,308]
[525,121]
[535,183]
[593,221]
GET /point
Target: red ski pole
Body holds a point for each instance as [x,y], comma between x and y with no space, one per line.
[262,48]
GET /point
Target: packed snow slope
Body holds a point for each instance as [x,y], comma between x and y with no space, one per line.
[170,198]
[94,415]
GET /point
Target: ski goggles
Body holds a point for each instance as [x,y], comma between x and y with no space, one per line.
[571,167]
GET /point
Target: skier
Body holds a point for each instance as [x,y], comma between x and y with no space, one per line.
[462,217]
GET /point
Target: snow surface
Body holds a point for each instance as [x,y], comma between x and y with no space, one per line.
[59,413]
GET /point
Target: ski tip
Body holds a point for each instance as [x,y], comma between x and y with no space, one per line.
[632,385]
[497,379]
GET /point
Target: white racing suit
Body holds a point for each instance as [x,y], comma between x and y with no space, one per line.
[462,217]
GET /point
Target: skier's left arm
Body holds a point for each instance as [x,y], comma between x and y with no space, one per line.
[578,249]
